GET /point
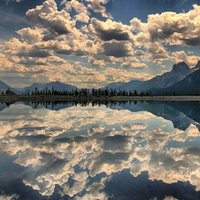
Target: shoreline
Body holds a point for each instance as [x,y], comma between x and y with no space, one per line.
[62,98]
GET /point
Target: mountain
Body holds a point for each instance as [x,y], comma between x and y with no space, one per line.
[114,85]
[178,72]
[60,86]
[31,88]
[130,86]
[188,86]
[56,85]
[4,87]
[197,65]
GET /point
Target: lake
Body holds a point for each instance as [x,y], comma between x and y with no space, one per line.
[122,151]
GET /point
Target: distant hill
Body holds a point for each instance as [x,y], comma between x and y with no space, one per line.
[130,86]
[55,85]
[114,85]
[60,86]
[31,88]
[4,87]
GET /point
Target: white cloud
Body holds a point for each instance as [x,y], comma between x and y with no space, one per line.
[48,16]
[96,6]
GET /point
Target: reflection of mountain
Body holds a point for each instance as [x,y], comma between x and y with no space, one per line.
[3,106]
[132,106]
[165,110]
[191,109]
[181,114]
[49,105]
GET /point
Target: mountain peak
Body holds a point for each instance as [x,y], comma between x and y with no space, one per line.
[197,65]
[180,67]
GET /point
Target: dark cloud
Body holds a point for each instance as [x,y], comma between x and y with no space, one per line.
[33,139]
[193,151]
[111,158]
[107,31]
[78,52]
[77,139]
[117,49]
[166,30]
[192,41]
[116,143]
[35,52]
[175,28]
[112,34]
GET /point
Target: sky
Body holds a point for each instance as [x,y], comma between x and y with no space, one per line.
[91,43]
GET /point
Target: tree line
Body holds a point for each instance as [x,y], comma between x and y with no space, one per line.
[80,92]
[87,92]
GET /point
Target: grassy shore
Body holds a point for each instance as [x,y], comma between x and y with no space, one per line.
[57,98]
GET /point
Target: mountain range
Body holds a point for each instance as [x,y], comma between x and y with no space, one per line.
[38,86]
[52,85]
[4,87]
[180,80]
[179,72]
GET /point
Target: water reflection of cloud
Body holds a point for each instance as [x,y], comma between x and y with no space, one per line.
[10,197]
[104,144]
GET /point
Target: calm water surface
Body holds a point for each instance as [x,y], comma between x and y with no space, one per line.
[115,151]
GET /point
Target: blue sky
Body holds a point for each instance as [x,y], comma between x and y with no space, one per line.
[91,43]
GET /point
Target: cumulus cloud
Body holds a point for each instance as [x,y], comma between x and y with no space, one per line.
[48,16]
[80,8]
[182,28]
[110,30]
[31,35]
[96,6]
[180,56]
[116,75]
[6,197]
[136,64]
[25,49]
[157,53]
[117,49]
